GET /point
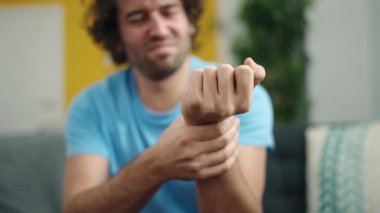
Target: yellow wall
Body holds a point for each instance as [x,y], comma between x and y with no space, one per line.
[84,62]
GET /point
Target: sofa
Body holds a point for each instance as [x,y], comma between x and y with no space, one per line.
[31,169]
[285,188]
[324,168]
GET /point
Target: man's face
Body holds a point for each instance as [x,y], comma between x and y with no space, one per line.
[156,35]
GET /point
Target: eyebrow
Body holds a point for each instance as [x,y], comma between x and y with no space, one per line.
[134,12]
[138,11]
[172,4]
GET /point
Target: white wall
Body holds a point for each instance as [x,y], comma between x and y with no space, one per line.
[344,74]
[31,68]
[228,27]
[340,77]
[375,23]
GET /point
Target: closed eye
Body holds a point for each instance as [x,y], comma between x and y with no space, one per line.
[170,10]
[136,17]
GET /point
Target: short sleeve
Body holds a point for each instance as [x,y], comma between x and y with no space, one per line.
[83,131]
[256,126]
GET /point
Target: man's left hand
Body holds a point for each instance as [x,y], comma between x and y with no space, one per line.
[214,94]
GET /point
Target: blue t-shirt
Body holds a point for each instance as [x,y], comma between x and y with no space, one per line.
[110,120]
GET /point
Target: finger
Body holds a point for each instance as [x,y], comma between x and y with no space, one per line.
[218,169]
[210,88]
[249,61]
[244,88]
[259,71]
[225,75]
[195,83]
[193,95]
[214,145]
[209,131]
[220,156]
[259,75]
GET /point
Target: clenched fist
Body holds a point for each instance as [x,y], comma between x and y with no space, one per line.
[214,94]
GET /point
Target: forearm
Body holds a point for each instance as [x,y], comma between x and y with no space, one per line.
[227,193]
[128,191]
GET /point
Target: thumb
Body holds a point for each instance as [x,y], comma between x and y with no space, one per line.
[258,71]
[249,61]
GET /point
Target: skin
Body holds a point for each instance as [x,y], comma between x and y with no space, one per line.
[157,39]
[215,94]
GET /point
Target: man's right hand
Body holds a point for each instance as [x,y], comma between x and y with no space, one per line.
[189,152]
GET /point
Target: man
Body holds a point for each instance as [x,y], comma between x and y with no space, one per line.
[162,136]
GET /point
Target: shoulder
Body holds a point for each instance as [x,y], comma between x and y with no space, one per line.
[262,95]
[198,63]
[261,107]
[99,92]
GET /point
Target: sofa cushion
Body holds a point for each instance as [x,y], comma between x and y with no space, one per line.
[31,169]
[343,172]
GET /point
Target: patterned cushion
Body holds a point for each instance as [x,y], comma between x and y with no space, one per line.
[343,171]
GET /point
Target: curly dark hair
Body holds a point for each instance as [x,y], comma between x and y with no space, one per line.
[101,23]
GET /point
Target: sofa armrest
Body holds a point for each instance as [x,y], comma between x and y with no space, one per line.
[31,173]
[285,183]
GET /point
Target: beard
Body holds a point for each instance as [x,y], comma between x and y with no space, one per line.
[160,67]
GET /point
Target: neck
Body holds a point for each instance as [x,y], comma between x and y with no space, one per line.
[163,95]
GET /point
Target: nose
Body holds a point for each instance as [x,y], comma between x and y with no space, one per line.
[158,26]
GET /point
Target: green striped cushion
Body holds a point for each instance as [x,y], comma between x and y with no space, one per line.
[343,168]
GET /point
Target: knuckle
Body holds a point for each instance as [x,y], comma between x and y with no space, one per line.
[209,70]
[243,72]
[243,69]
[226,67]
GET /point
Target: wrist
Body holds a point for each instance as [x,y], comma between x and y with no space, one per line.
[141,171]
[152,165]
[222,178]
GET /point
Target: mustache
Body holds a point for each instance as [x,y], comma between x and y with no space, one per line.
[159,43]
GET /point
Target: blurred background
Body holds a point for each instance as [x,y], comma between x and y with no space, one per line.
[322,57]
